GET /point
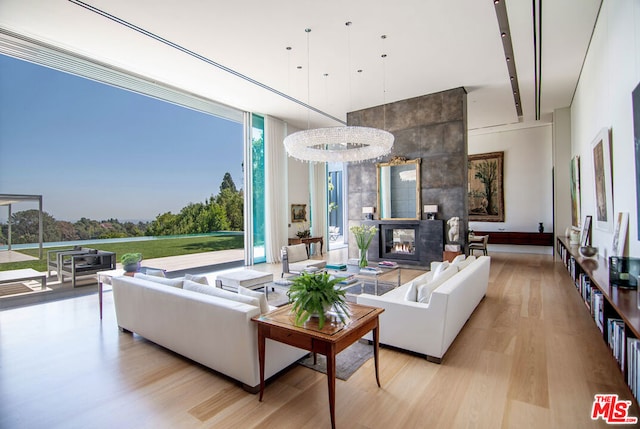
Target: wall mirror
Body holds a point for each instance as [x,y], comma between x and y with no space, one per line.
[399,188]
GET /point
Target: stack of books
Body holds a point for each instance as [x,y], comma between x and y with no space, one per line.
[387,264]
[370,270]
[339,267]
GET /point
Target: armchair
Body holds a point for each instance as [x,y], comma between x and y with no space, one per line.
[295,260]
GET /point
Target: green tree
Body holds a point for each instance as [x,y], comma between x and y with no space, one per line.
[227,183]
[25,227]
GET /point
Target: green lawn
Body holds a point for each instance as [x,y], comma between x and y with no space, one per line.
[149,249]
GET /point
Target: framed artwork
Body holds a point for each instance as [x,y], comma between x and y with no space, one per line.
[601,151]
[486,187]
[635,97]
[585,239]
[575,191]
[298,212]
[620,233]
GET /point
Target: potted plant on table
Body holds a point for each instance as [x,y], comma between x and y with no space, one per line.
[131,262]
[363,234]
[313,295]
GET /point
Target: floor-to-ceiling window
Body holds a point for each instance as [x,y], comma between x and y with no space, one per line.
[337,204]
[257,166]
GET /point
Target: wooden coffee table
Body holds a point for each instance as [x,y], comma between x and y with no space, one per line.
[279,325]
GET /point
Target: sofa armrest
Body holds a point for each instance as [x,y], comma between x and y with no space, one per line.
[410,325]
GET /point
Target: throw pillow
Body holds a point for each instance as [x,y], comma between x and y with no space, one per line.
[156,273]
[424,293]
[440,269]
[220,293]
[458,259]
[466,262]
[412,293]
[198,279]
[177,282]
[262,298]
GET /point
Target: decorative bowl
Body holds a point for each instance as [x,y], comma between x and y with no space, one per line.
[588,251]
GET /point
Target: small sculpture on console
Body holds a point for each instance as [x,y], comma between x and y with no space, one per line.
[454,229]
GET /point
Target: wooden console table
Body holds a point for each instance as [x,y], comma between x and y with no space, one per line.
[278,325]
[308,241]
[518,238]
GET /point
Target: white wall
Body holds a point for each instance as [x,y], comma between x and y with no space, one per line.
[298,190]
[528,191]
[603,99]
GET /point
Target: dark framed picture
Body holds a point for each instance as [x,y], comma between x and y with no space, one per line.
[486,187]
[585,239]
[298,212]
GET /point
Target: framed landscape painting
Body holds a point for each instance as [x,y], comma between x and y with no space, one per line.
[601,151]
[298,212]
[486,187]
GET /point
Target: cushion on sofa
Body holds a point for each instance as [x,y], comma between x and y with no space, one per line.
[155,272]
[220,293]
[424,293]
[412,292]
[197,278]
[466,262]
[440,268]
[261,297]
[177,282]
[458,259]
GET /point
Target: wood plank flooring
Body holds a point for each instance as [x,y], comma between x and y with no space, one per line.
[530,356]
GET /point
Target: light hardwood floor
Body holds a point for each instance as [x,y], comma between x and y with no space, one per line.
[530,356]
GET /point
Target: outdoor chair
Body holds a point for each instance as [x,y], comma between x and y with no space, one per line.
[86,264]
[56,258]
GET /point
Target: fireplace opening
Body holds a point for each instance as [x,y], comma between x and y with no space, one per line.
[399,243]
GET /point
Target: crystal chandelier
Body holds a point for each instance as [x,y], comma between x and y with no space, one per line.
[339,144]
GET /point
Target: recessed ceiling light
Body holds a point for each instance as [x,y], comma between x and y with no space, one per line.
[503,34]
[359,70]
[496,1]
[508,59]
[288,48]
[299,67]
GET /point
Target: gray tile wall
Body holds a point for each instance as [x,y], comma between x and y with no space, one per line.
[432,127]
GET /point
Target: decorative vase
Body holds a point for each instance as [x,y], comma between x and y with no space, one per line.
[131,268]
[363,258]
[540,228]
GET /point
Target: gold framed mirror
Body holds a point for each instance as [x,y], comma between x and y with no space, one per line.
[399,189]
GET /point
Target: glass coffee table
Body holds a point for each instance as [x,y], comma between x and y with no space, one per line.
[376,275]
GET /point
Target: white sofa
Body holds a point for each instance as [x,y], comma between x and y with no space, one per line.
[213,331]
[430,328]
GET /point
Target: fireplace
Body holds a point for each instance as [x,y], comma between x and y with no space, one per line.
[407,242]
[399,242]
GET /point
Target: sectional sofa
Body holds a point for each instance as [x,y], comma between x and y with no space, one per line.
[449,295]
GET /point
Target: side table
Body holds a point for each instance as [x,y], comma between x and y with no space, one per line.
[278,326]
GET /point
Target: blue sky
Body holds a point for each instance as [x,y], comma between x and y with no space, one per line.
[95,151]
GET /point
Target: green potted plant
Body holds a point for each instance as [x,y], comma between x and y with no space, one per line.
[313,294]
[131,262]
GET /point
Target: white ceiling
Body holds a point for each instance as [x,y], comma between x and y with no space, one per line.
[431,46]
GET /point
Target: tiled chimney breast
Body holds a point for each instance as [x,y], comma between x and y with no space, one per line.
[431,127]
